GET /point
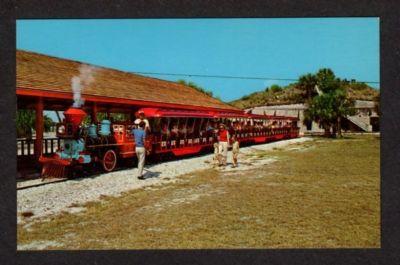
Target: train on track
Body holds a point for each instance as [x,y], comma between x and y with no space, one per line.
[171,132]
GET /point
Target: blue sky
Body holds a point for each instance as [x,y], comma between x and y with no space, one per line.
[274,48]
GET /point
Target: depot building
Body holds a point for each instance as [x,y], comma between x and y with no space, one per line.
[44,83]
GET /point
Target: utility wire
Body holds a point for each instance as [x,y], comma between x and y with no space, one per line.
[234,77]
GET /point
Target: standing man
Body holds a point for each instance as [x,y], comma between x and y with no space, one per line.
[140,136]
[223,137]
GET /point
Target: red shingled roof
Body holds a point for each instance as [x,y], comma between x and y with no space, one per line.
[45,73]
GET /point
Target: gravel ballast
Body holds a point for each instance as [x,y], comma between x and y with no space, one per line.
[53,198]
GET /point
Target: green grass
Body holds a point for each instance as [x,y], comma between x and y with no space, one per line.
[326,195]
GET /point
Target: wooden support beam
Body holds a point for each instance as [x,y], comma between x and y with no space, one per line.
[93,114]
[39,127]
[132,116]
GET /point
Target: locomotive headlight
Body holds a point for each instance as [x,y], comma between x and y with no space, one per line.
[61,129]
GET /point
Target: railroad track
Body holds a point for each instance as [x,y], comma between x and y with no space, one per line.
[38,182]
[42,183]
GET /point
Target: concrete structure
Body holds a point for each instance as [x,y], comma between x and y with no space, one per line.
[366,117]
[365,120]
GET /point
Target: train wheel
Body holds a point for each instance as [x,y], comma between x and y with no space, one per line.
[109,160]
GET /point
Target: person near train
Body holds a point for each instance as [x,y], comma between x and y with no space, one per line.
[182,130]
[140,137]
[210,127]
[165,131]
[223,142]
[174,130]
[213,133]
[230,127]
[235,150]
[141,117]
[216,151]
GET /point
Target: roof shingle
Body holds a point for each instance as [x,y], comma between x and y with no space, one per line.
[42,72]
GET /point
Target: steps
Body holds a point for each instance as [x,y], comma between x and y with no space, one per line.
[366,127]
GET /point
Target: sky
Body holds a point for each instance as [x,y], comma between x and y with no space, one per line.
[279,48]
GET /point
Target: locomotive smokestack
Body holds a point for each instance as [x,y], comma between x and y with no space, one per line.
[74,116]
[78,83]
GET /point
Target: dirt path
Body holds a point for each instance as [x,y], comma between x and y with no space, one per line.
[54,198]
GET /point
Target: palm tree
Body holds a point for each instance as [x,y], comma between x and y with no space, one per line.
[320,110]
[327,81]
[307,84]
[328,109]
[342,107]
[26,122]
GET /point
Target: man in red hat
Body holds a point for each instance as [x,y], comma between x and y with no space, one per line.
[141,117]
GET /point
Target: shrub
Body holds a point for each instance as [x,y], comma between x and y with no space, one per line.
[276,88]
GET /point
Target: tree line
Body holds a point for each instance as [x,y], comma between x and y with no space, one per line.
[198,88]
[328,98]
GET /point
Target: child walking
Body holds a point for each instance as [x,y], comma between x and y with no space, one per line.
[235,150]
[216,153]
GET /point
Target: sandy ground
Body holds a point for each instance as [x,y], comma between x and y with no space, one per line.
[53,198]
[38,245]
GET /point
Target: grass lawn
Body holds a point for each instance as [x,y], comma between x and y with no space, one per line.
[323,193]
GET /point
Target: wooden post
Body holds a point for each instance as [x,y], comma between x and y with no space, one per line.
[132,116]
[39,126]
[58,116]
[94,113]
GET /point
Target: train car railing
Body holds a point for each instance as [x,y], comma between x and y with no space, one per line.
[25,147]
[161,143]
[164,143]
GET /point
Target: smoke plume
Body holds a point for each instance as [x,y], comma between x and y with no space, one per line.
[78,83]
